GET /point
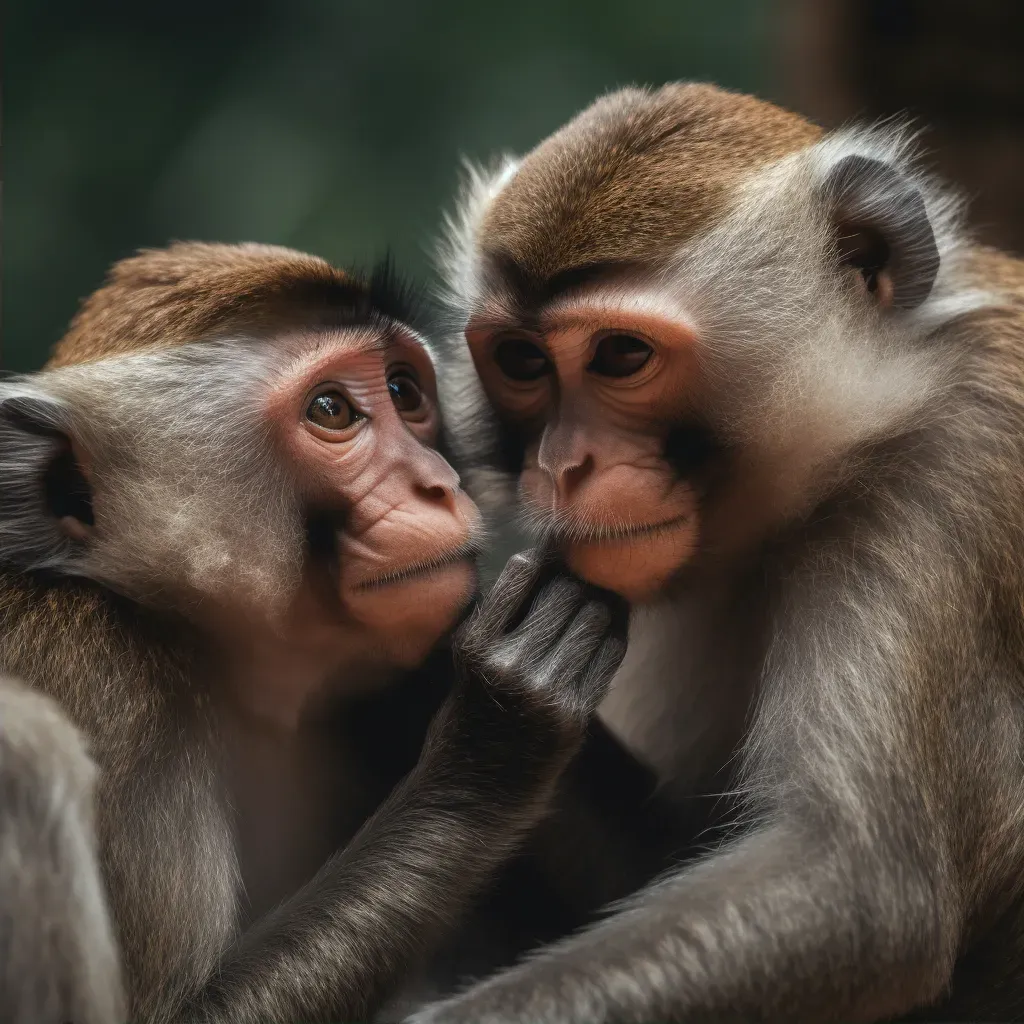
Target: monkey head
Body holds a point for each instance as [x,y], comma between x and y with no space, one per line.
[686,308]
[251,437]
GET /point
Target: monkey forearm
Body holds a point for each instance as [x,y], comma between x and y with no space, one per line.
[777,927]
[341,944]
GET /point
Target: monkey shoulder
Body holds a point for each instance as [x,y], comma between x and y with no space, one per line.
[997,271]
[87,648]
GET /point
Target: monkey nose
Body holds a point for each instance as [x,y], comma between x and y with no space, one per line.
[438,494]
[568,479]
[436,480]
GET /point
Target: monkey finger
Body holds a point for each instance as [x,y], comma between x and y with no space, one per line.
[570,661]
[499,610]
[617,605]
[594,682]
[550,615]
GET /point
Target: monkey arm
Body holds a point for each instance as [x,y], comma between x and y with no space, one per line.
[488,769]
[341,944]
[780,926]
[801,919]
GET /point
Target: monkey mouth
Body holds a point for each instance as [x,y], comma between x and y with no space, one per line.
[468,552]
[613,534]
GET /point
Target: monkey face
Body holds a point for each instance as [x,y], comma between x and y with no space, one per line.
[287,487]
[607,470]
[248,438]
[390,525]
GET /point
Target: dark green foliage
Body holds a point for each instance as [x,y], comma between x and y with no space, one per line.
[328,125]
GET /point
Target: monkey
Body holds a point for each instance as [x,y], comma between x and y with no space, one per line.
[759,380]
[225,525]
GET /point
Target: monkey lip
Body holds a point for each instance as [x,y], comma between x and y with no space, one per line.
[637,561]
[617,534]
[464,554]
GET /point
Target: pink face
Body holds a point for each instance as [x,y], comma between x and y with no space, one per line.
[359,420]
[595,392]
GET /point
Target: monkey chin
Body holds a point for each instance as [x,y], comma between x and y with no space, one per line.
[636,566]
[414,612]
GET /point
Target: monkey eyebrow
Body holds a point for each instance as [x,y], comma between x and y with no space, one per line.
[492,324]
[523,303]
[379,338]
[569,319]
[535,288]
[560,318]
[578,277]
[362,338]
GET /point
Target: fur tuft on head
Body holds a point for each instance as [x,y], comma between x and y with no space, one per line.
[469,423]
[456,251]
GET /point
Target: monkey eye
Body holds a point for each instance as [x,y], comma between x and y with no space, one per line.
[406,394]
[519,359]
[331,410]
[620,355]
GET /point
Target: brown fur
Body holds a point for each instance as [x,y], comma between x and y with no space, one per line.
[194,290]
[164,840]
[637,174]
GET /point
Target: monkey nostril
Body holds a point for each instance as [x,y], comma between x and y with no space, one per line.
[570,478]
[440,494]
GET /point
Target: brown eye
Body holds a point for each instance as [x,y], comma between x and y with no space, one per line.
[332,411]
[521,360]
[620,355]
[405,392]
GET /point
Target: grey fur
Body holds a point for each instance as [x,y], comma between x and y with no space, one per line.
[32,427]
[58,956]
[869,192]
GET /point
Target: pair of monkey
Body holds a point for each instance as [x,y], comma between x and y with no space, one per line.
[753,378]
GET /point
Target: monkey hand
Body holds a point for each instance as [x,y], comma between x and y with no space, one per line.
[535,660]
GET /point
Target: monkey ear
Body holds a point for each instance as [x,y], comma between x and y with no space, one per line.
[883,230]
[45,504]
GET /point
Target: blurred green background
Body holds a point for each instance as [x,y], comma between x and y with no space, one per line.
[335,126]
